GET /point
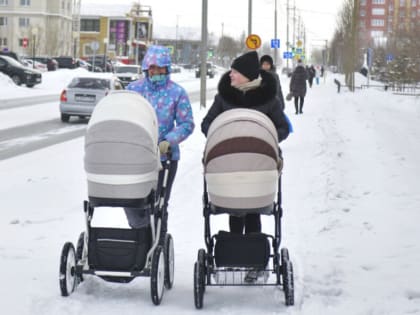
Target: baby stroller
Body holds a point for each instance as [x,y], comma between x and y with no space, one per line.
[242,176]
[122,163]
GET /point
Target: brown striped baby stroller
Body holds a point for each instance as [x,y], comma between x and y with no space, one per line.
[242,175]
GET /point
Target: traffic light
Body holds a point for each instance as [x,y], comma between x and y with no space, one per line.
[25,42]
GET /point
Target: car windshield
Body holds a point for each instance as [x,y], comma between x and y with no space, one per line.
[90,83]
[127,70]
[12,61]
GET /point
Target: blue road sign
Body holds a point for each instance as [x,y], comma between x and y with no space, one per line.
[389,57]
[299,51]
[287,55]
[275,43]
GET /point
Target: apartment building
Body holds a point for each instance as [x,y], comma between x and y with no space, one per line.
[380,19]
[40,27]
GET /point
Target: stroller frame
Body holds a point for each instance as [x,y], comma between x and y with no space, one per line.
[205,267]
[159,260]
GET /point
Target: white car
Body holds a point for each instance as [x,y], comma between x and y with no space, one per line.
[128,73]
[38,65]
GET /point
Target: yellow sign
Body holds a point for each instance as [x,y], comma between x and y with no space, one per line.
[253,41]
[299,43]
[171,49]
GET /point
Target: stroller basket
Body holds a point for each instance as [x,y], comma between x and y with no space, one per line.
[236,250]
[118,249]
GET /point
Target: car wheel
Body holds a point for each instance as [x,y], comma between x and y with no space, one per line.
[16,79]
[30,85]
[65,118]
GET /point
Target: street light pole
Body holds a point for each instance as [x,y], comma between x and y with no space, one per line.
[34,34]
[275,31]
[249,17]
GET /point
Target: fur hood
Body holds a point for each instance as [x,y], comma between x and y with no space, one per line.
[265,93]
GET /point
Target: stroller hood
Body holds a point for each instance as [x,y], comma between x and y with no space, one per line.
[121,154]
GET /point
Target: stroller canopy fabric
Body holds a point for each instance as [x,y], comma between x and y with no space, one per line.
[241,160]
[121,153]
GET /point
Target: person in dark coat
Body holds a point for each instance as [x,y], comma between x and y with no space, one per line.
[311,74]
[246,86]
[298,86]
[267,64]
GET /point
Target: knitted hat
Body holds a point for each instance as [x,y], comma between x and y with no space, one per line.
[247,65]
[267,58]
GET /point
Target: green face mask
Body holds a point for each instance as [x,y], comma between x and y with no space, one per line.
[158,78]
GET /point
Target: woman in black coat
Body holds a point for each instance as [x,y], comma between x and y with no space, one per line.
[246,86]
[298,86]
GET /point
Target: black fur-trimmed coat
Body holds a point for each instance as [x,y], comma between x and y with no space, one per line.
[263,99]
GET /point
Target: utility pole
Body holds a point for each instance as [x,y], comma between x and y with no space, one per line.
[249,17]
[287,34]
[203,55]
[223,25]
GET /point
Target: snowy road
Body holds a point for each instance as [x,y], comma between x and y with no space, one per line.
[351,196]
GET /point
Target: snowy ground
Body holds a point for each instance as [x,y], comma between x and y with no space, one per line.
[351,200]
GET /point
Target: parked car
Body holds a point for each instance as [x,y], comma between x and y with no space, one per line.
[86,65]
[128,73]
[19,73]
[66,62]
[82,94]
[99,62]
[210,70]
[51,63]
[34,65]
[11,54]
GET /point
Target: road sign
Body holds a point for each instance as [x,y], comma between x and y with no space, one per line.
[94,45]
[299,43]
[253,41]
[275,43]
[299,51]
[24,42]
[287,55]
[389,57]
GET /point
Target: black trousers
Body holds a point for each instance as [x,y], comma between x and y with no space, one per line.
[251,222]
[137,218]
[297,99]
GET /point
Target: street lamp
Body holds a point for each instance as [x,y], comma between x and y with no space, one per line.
[75,37]
[105,48]
[128,48]
[34,32]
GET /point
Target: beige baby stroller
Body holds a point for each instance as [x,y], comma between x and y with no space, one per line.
[122,165]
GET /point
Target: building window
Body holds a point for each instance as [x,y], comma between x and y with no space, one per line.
[89,25]
[23,22]
[374,34]
[402,3]
[25,3]
[3,41]
[3,21]
[378,11]
[362,2]
[362,13]
[413,3]
[377,22]
[4,2]
[378,1]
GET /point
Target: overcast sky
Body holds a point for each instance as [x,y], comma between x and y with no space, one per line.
[231,16]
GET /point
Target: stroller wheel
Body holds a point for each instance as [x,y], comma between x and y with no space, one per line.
[169,261]
[202,261]
[198,285]
[67,269]
[157,278]
[79,252]
[284,252]
[288,285]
